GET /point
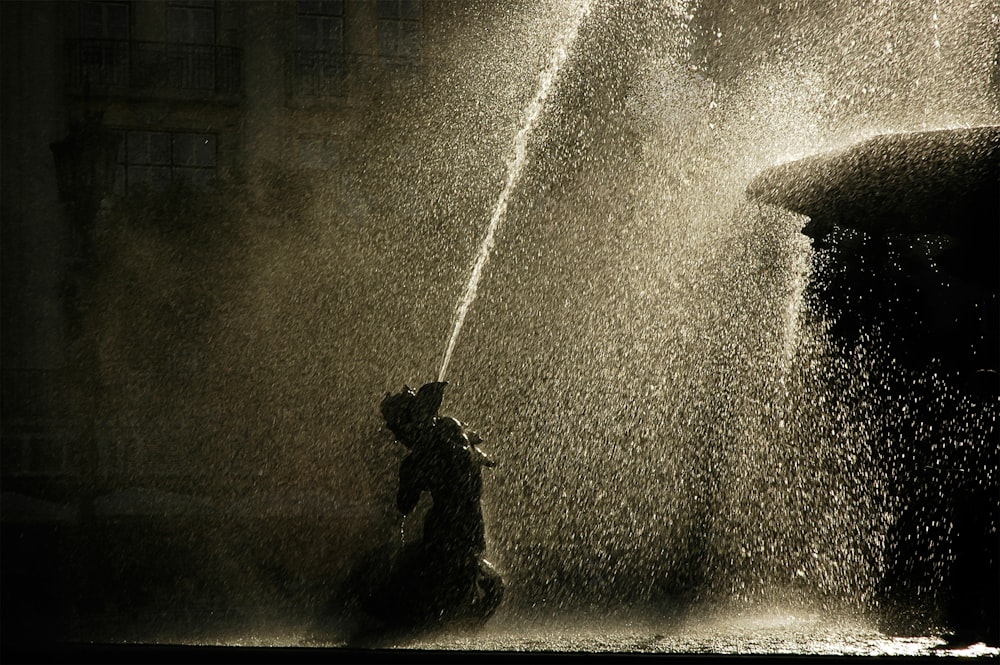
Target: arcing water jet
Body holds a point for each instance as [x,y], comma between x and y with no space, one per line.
[514,168]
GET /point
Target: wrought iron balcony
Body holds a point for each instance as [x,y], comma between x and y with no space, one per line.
[318,74]
[322,76]
[96,65]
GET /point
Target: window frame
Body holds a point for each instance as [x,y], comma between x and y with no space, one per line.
[163,165]
[318,62]
[400,29]
[105,5]
[191,8]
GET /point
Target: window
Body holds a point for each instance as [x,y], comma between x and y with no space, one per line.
[103,55]
[317,152]
[190,39]
[156,159]
[321,26]
[319,55]
[399,29]
[104,20]
[191,22]
[193,158]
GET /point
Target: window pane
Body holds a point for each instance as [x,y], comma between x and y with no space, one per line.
[154,159]
[410,43]
[120,181]
[198,177]
[159,148]
[321,7]
[333,7]
[308,153]
[159,177]
[410,9]
[156,178]
[202,26]
[190,25]
[194,150]
[104,20]
[122,138]
[309,7]
[91,20]
[138,176]
[388,37]
[332,35]
[388,9]
[308,34]
[177,25]
[317,153]
[203,177]
[184,149]
[321,34]
[118,21]
[204,150]
[138,147]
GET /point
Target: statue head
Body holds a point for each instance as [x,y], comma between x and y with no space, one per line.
[428,400]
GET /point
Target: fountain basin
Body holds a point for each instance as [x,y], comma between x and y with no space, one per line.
[935,182]
[912,218]
[908,268]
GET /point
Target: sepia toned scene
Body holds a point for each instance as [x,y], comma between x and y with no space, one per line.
[367,327]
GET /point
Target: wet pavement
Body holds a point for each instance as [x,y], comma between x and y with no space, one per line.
[269,636]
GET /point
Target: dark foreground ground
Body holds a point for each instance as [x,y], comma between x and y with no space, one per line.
[764,636]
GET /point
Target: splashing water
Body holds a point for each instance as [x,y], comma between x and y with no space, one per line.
[670,431]
[514,168]
[670,426]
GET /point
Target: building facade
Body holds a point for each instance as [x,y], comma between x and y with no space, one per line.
[201,93]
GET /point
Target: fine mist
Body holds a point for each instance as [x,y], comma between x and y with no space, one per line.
[640,359]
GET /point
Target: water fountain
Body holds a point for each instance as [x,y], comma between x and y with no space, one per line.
[690,429]
[688,457]
[908,224]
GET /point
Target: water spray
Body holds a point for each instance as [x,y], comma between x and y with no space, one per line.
[514,168]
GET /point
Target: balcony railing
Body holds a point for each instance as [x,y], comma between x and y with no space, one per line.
[318,74]
[109,64]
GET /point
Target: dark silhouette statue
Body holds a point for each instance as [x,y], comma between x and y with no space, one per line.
[441,578]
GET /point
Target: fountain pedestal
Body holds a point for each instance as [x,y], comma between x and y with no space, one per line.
[907,233]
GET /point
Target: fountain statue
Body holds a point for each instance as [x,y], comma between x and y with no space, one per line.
[438,579]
